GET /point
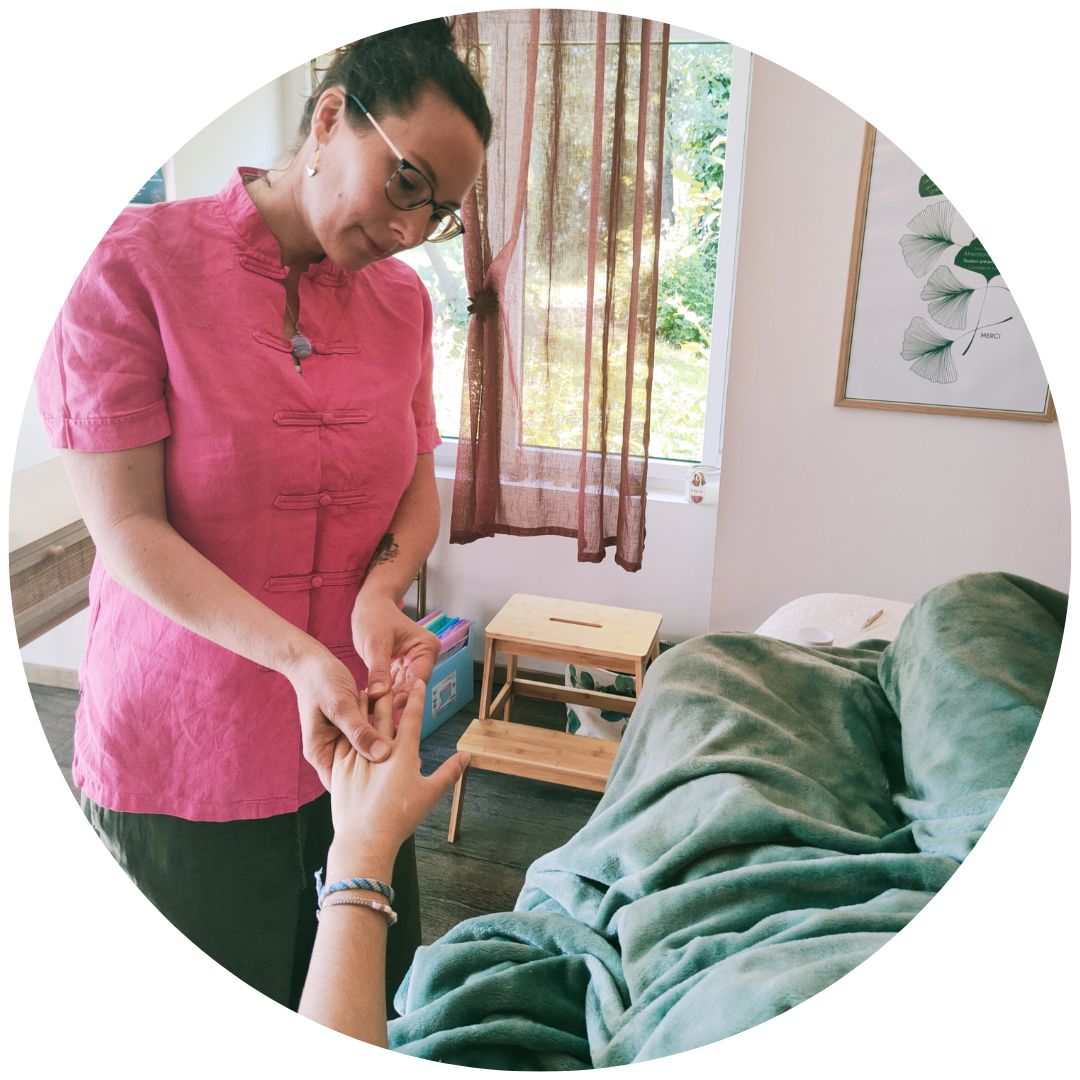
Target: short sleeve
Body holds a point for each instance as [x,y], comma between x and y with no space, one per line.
[101,379]
[423,404]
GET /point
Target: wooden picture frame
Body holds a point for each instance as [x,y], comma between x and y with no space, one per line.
[921,286]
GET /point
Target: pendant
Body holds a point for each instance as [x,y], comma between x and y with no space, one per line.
[301,350]
[301,347]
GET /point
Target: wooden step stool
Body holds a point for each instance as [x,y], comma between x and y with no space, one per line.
[566,631]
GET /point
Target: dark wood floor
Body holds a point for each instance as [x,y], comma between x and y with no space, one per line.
[508,822]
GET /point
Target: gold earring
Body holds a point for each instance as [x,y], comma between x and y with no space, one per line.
[313,168]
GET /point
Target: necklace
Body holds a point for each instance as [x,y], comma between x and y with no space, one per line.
[301,345]
[300,342]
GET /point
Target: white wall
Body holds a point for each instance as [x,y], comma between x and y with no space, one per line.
[815,498]
[253,132]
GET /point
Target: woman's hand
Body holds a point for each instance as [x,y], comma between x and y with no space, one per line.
[331,709]
[377,807]
[395,650]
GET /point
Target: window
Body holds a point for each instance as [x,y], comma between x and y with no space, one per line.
[442,269]
[699,99]
[706,107]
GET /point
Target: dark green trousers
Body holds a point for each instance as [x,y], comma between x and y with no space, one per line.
[244,891]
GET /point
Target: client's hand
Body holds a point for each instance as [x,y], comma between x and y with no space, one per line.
[376,807]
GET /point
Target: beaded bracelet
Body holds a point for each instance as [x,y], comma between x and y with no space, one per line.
[360,901]
[370,884]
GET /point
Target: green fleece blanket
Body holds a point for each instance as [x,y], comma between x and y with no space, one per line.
[775,814]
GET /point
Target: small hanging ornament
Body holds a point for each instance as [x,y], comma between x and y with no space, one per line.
[301,347]
[301,344]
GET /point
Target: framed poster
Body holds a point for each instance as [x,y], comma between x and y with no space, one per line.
[930,324]
[158,188]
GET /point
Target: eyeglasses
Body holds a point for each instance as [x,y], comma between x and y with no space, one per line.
[409,189]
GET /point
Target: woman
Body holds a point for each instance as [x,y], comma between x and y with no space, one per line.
[240,387]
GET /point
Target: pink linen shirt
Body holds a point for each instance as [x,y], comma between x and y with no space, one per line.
[285,481]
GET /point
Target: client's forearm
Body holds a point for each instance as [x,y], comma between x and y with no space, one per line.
[345,982]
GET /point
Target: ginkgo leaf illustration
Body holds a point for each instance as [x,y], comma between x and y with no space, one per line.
[948,298]
[931,353]
[930,236]
[927,187]
[974,257]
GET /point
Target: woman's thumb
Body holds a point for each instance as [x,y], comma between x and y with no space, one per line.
[361,733]
[379,670]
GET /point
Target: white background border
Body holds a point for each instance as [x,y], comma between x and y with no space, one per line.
[97,96]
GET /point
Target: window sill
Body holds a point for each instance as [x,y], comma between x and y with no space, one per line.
[667,479]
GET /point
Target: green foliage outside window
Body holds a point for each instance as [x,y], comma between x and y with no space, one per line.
[699,91]
[699,87]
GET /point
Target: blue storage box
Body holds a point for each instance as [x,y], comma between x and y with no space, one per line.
[450,688]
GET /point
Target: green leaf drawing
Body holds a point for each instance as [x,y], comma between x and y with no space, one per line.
[586,680]
[573,675]
[573,721]
[612,717]
[927,187]
[624,684]
[930,237]
[974,257]
[931,353]
[948,298]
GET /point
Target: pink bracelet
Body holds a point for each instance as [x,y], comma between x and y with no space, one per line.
[336,899]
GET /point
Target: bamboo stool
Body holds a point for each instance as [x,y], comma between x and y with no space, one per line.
[566,631]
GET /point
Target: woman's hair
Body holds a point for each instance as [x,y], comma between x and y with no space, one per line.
[388,71]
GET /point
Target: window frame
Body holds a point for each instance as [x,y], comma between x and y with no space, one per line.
[666,475]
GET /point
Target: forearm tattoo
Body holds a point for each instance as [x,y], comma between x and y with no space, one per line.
[386,551]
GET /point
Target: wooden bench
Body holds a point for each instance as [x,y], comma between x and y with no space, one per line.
[567,631]
[50,553]
[535,753]
[570,632]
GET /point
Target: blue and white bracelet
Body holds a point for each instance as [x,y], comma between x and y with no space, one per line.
[368,884]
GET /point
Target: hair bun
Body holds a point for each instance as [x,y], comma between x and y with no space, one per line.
[430,33]
[389,71]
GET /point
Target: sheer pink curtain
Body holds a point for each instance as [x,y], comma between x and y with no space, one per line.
[561,252]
